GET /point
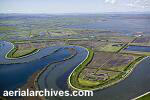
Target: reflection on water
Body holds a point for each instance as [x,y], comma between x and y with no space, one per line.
[15,75]
[122,23]
[136,84]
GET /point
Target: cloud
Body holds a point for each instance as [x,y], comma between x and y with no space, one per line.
[139,3]
[131,3]
[110,1]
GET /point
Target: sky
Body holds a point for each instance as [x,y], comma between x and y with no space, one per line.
[73,6]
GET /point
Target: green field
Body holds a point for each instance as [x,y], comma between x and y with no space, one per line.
[17,52]
[145,97]
[111,48]
[112,75]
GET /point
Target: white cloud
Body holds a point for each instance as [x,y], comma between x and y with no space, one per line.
[139,3]
[110,1]
[131,3]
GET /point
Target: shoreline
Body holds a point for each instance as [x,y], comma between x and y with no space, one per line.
[30,85]
[69,78]
[45,68]
[35,77]
[32,82]
[136,98]
[30,60]
[24,56]
[126,75]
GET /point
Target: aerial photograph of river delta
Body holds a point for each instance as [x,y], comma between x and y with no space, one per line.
[63,47]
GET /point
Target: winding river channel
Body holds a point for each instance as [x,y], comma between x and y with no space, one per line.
[13,76]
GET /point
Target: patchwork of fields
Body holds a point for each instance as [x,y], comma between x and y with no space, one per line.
[113,54]
[109,64]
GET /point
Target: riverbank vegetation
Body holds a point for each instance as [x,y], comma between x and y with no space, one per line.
[20,51]
[144,97]
[108,65]
[92,77]
[74,76]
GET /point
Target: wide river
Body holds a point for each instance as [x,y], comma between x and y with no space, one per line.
[15,75]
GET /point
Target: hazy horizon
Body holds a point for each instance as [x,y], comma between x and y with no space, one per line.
[82,13]
[73,6]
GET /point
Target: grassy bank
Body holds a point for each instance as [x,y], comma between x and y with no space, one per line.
[145,96]
[16,53]
[73,80]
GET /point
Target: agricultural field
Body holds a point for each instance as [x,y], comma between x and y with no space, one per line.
[111,47]
[104,67]
[113,51]
[118,62]
[116,39]
[87,43]
[21,50]
[103,43]
[140,46]
[141,41]
[99,58]
[29,27]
